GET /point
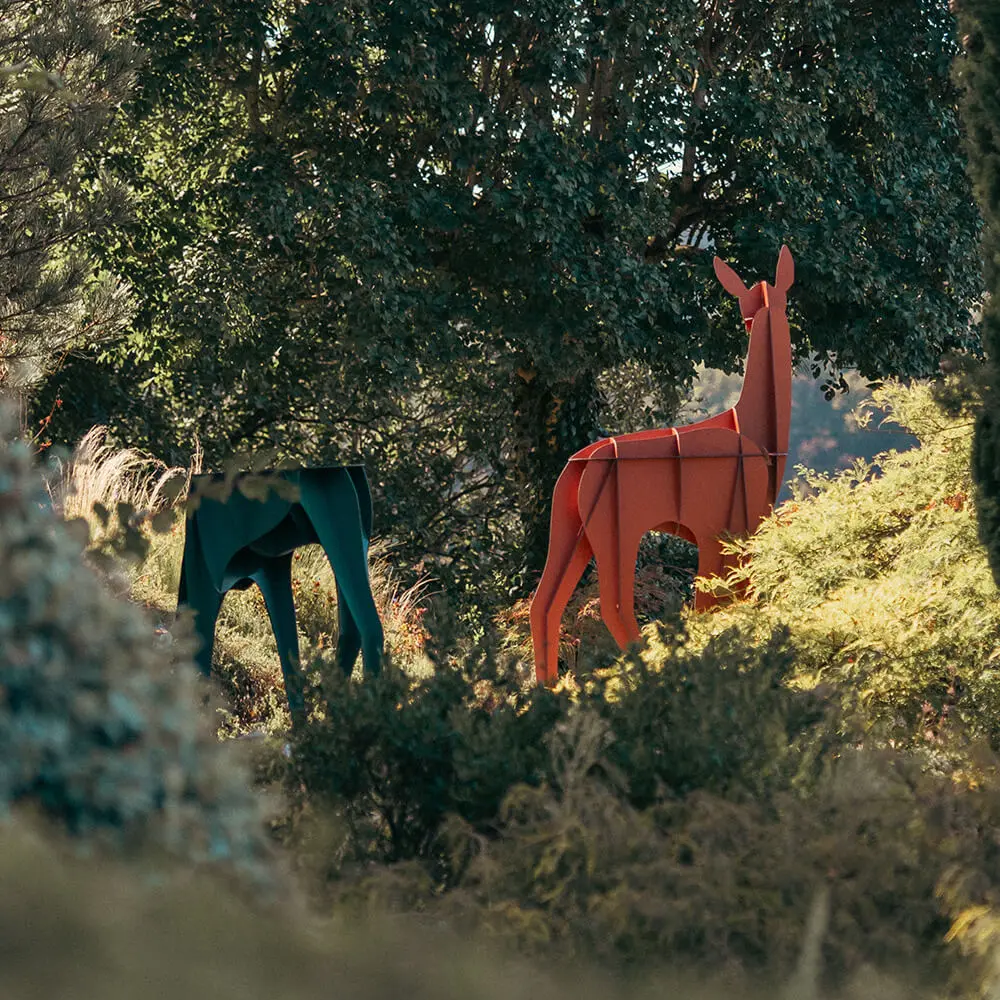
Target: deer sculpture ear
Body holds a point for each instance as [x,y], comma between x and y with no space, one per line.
[729,279]
[785,274]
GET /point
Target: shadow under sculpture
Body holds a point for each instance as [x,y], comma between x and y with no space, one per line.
[237,541]
[703,481]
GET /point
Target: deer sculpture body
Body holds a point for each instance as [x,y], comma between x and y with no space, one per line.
[234,543]
[716,477]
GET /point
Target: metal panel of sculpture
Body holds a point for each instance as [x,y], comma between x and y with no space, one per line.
[701,482]
[235,542]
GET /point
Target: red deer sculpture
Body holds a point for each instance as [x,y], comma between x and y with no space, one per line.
[712,478]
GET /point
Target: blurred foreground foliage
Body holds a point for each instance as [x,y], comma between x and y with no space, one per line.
[183,937]
[101,729]
[688,808]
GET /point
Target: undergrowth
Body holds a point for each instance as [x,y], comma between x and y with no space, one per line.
[823,752]
[799,788]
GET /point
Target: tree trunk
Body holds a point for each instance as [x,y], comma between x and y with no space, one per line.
[552,420]
[978,71]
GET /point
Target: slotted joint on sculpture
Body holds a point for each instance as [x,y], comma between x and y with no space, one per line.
[703,481]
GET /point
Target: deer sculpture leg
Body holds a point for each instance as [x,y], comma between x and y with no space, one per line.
[616,579]
[348,633]
[198,591]
[613,539]
[568,556]
[327,503]
[349,637]
[274,578]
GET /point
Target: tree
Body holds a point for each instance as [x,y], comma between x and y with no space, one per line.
[978,70]
[428,233]
[63,68]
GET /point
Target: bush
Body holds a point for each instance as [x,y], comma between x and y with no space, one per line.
[705,880]
[395,755]
[717,717]
[888,863]
[101,728]
[880,579]
[396,762]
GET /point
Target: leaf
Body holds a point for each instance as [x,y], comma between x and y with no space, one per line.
[285,490]
[173,487]
[255,487]
[263,459]
[101,513]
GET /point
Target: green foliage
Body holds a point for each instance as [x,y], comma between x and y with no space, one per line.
[701,804]
[879,577]
[875,853]
[63,68]
[720,718]
[101,728]
[705,879]
[395,756]
[184,936]
[809,765]
[435,238]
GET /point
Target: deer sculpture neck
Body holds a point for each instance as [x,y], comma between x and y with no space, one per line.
[763,412]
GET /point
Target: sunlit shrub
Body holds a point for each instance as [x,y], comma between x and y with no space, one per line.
[881,581]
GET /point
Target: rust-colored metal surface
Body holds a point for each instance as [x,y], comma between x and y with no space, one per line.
[716,477]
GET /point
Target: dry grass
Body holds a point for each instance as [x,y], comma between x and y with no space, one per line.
[400,608]
[98,473]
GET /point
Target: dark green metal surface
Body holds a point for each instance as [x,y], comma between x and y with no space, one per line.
[238,541]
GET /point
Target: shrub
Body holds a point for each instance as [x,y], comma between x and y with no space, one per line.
[101,728]
[812,758]
[398,760]
[717,717]
[395,755]
[880,579]
[702,879]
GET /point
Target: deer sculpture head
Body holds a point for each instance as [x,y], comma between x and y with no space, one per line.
[762,295]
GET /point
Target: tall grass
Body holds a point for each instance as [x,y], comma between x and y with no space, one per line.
[99,473]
